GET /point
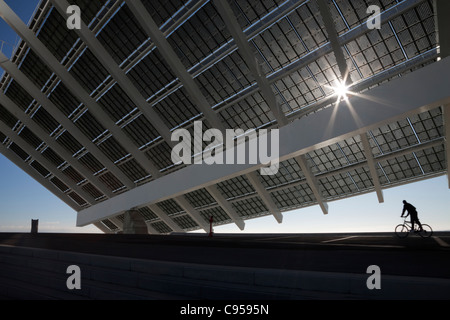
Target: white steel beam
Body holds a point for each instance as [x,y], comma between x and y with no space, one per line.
[415,92]
[249,56]
[312,182]
[117,73]
[265,196]
[45,163]
[372,166]
[77,90]
[14,158]
[192,212]
[168,53]
[52,109]
[334,40]
[165,218]
[446,111]
[226,206]
[41,134]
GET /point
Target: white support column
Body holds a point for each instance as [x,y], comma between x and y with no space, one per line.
[51,108]
[226,206]
[168,53]
[41,134]
[77,90]
[334,40]
[265,196]
[192,212]
[134,223]
[249,56]
[372,168]
[446,111]
[117,73]
[312,182]
[14,158]
[165,218]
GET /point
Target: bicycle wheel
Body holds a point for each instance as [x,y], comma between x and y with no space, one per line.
[426,232]
[401,231]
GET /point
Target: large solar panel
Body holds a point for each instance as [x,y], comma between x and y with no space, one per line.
[292,48]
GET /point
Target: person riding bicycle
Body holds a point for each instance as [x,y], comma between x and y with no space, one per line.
[413,213]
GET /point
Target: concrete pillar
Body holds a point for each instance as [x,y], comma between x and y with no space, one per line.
[134,223]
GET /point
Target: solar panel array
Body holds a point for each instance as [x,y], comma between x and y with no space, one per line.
[287,37]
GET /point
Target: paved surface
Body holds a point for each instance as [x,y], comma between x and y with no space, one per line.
[348,253]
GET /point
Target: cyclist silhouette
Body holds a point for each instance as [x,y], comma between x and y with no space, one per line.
[413,213]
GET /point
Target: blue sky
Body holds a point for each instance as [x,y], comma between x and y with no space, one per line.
[23,199]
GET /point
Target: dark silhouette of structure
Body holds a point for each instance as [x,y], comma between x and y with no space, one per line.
[412,212]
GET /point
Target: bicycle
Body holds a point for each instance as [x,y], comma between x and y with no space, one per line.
[404,229]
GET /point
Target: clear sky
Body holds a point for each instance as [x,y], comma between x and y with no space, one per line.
[23,199]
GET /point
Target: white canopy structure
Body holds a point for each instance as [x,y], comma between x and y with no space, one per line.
[89,112]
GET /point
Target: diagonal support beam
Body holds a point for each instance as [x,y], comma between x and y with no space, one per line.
[146,21]
[46,163]
[117,222]
[312,182]
[334,40]
[77,90]
[226,206]
[150,228]
[372,168]
[52,109]
[41,134]
[265,196]
[14,158]
[165,218]
[249,57]
[446,111]
[117,73]
[192,212]
[102,227]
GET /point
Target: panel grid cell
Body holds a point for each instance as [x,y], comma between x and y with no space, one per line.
[170,207]
[122,35]
[185,222]
[235,187]
[218,214]
[161,227]
[200,198]
[110,225]
[337,186]
[53,157]
[147,214]
[293,197]
[288,171]
[199,36]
